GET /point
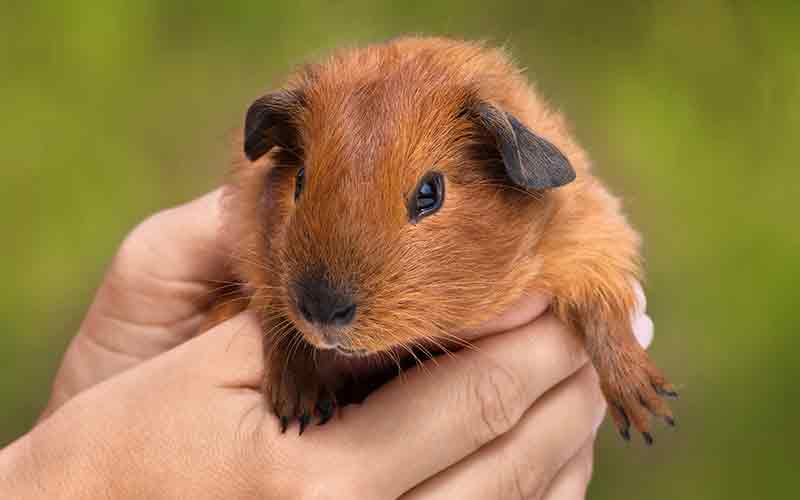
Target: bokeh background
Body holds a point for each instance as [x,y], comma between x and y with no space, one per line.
[111,110]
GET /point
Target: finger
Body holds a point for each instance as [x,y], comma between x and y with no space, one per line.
[435,416]
[524,461]
[230,354]
[182,243]
[160,281]
[525,310]
[573,479]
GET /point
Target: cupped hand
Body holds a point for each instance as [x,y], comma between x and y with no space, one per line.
[155,295]
[515,417]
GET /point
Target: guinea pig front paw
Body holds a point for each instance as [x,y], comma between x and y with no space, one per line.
[299,395]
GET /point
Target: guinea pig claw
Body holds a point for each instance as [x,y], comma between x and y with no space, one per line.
[304,419]
[665,392]
[284,422]
[325,409]
[622,421]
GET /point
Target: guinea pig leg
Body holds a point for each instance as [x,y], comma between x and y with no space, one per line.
[590,263]
[292,384]
[601,311]
[631,383]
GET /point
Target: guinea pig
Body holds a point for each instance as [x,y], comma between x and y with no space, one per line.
[393,195]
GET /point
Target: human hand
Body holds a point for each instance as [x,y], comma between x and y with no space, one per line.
[515,415]
[542,455]
[155,295]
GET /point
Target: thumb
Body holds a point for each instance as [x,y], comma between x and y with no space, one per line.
[231,353]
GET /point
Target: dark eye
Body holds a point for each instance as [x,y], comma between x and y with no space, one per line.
[428,197]
[299,182]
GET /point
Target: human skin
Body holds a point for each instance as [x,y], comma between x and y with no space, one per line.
[143,408]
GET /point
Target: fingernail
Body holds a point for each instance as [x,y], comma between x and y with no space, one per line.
[641,298]
[643,330]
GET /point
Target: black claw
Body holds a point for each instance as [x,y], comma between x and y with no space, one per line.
[284,423]
[670,421]
[324,410]
[625,431]
[648,439]
[666,393]
[304,419]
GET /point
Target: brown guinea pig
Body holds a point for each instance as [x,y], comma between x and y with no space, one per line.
[392,195]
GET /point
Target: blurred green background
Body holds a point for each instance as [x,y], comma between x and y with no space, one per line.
[111,110]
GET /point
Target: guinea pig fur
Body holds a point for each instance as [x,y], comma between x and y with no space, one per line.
[391,196]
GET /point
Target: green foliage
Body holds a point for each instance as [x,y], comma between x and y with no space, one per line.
[691,110]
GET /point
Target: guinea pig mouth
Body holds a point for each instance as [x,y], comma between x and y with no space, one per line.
[332,341]
[327,339]
[348,351]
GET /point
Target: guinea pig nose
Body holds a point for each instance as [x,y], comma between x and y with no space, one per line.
[343,315]
[319,302]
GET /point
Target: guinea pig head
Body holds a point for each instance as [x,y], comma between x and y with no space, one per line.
[387,214]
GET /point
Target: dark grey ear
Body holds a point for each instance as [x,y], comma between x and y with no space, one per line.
[270,122]
[531,161]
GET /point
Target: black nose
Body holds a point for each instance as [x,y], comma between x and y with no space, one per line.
[319,302]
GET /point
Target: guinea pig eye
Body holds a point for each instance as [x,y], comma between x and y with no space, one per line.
[428,197]
[299,182]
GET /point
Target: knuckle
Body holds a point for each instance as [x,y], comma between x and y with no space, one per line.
[274,467]
[499,396]
[140,248]
[520,480]
[136,242]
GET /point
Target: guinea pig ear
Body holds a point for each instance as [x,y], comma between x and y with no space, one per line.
[530,161]
[270,122]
